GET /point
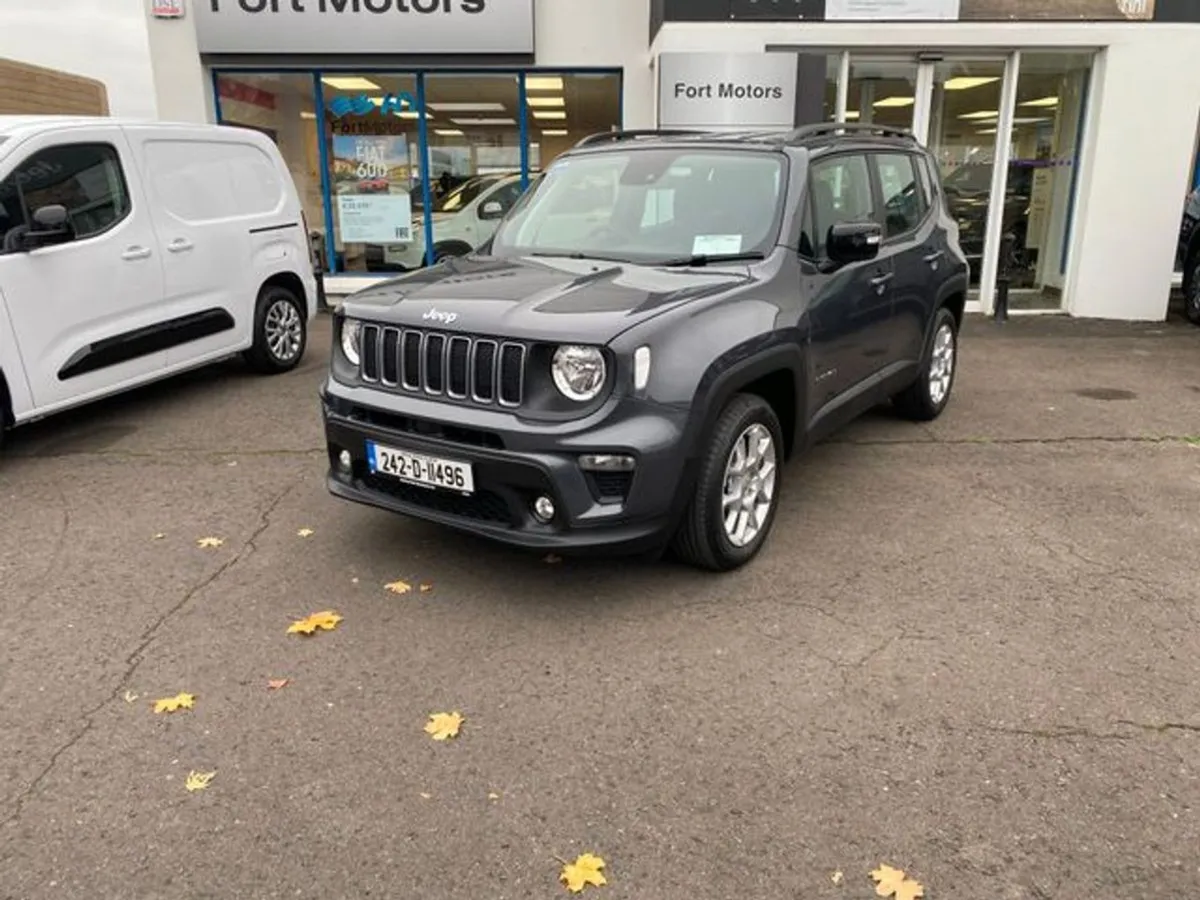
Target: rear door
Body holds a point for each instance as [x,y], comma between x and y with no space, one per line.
[850,305]
[87,312]
[213,196]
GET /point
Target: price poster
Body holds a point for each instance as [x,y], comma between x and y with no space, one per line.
[372,174]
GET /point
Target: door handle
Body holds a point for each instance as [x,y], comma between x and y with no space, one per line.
[136,252]
[880,282]
[934,257]
[179,245]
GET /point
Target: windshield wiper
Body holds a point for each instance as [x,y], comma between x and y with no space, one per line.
[577,255]
[704,259]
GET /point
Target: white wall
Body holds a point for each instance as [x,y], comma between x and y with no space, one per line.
[609,33]
[1139,142]
[179,86]
[101,39]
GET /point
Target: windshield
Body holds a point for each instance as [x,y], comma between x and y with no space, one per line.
[646,205]
[465,193]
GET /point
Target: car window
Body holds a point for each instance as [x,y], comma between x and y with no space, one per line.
[465,194]
[506,196]
[903,201]
[841,192]
[85,178]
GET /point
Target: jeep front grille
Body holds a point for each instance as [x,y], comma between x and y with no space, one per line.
[480,370]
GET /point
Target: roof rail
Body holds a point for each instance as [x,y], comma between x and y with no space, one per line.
[604,137]
[825,128]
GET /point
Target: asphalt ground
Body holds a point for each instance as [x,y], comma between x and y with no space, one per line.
[969,651]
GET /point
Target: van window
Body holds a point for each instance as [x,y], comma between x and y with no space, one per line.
[85,178]
[206,181]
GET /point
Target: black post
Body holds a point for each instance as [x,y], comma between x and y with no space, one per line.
[316,243]
[1004,276]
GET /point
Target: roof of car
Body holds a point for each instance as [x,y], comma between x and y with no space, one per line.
[813,138]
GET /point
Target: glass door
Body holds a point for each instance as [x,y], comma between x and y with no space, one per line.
[882,90]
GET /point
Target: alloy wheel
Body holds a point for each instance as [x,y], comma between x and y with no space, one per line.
[941,364]
[749,486]
[284,330]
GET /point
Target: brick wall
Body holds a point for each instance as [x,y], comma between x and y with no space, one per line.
[33,90]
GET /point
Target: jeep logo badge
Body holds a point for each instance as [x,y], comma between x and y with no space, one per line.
[435,315]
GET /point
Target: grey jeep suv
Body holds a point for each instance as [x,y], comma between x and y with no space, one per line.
[651,332]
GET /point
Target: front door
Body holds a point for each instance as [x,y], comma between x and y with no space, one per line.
[85,310]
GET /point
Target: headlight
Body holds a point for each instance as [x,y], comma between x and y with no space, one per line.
[351,336]
[578,372]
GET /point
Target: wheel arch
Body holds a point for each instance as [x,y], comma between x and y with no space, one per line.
[452,244]
[288,280]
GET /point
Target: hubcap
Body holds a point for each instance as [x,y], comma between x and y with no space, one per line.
[283,330]
[750,476]
[941,365]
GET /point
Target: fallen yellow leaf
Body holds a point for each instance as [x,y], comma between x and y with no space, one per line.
[836,877]
[585,870]
[210,542]
[173,704]
[426,587]
[442,726]
[493,796]
[130,697]
[425,796]
[398,587]
[324,620]
[305,532]
[198,781]
[159,536]
[893,882]
[274,684]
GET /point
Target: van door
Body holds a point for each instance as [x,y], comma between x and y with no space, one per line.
[214,195]
[85,296]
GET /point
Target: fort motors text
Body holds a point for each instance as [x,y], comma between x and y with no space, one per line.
[727,90]
[425,7]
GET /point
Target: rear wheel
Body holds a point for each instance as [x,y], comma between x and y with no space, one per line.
[280,331]
[926,397]
[737,488]
[448,250]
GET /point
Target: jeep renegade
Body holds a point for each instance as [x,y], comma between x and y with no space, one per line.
[649,334]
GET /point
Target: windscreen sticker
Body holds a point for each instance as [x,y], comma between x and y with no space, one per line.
[716,244]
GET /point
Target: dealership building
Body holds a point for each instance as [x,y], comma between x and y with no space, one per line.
[1066,134]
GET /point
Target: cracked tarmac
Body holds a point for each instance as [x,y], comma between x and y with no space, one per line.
[969,650]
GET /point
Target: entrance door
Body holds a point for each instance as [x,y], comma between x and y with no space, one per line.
[882,90]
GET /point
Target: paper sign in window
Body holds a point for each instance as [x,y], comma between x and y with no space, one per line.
[716,244]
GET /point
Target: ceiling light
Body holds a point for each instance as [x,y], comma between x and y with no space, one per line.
[1031,120]
[554,132]
[966,82]
[987,131]
[543,83]
[412,114]
[894,101]
[853,115]
[982,114]
[549,114]
[484,121]
[351,84]
[305,114]
[546,101]
[466,107]
[1044,101]
[448,132]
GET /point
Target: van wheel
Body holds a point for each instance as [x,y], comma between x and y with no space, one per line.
[449,249]
[737,489]
[925,398]
[280,331]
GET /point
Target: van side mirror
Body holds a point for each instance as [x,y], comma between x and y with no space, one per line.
[491,210]
[51,225]
[851,242]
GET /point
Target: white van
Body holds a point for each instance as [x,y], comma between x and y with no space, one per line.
[132,251]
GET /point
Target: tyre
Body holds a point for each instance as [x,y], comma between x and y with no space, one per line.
[737,488]
[280,331]
[449,249]
[926,397]
[1191,294]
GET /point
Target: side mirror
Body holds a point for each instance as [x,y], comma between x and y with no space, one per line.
[491,210]
[51,225]
[851,242]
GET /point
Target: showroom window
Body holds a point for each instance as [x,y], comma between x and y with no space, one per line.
[396,169]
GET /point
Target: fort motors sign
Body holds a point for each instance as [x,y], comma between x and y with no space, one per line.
[727,90]
[364,26]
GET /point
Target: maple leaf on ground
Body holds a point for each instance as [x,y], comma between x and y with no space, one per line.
[442,726]
[159,536]
[584,871]
[130,697]
[173,704]
[274,684]
[208,543]
[398,587]
[326,621]
[891,882]
[426,587]
[836,877]
[305,532]
[198,781]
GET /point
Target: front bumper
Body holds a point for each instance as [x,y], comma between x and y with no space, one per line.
[514,461]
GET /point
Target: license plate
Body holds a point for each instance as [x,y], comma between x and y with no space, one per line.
[416,468]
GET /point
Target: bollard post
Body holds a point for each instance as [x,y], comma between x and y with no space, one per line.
[316,244]
[1004,276]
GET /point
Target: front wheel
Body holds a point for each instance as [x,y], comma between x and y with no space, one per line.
[280,331]
[925,398]
[737,488]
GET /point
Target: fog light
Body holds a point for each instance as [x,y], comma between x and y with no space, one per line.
[606,462]
[543,508]
[345,462]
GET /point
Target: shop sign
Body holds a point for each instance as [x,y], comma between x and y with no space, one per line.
[987,10]
[364,26]
[167,9]
[362,105]
[893,10]
[372,175]
[718,90]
